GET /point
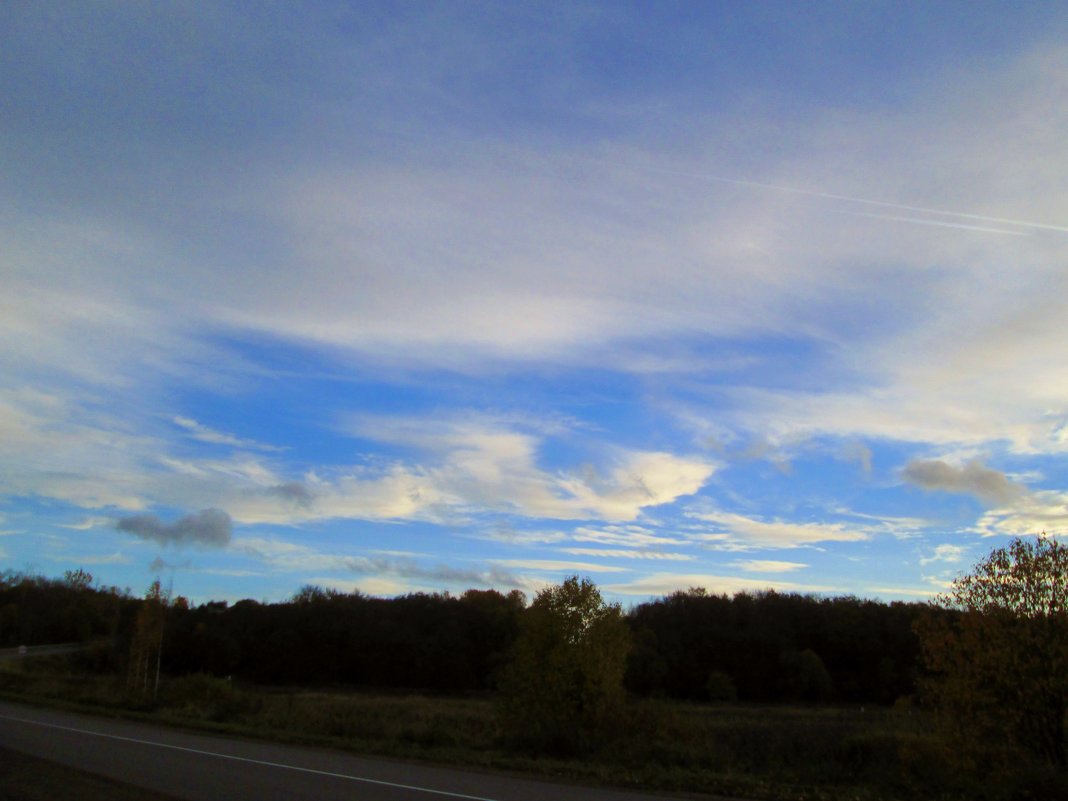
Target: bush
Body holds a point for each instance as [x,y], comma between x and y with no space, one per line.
[563,689]
[721,687]
[202,696]
[999,658]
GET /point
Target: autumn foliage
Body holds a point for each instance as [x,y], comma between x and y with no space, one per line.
[999,661]
[563,689]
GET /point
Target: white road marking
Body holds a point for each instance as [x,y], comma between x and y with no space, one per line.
[428,790]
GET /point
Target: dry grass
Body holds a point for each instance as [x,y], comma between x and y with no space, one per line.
[782,753]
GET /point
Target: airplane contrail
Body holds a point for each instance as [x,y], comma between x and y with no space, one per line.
[939,223]
[889,205]
[848,199]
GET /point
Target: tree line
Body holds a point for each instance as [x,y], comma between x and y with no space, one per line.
[693,645]
[989,657]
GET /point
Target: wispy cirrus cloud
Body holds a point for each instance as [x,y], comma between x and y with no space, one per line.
[888,273]
[632,536]
[768,566]
[659,584]
[621,553]
[88,523]
[203,433]
[382,573]
[456,469]
[559,566]
[735,530]
[946,553]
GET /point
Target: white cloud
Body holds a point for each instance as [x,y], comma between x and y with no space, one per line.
[903,592]
[949,554]
[631,536]
[217,571]
[203,433]
[481,464]
[613,553]
[768,566]
[288,557]
[902,528]
[89,523]
[510,535]
[642,479]
[754,532]
[1040,510]
[284,554]
[561,252]
[397,493]
[521,254]
[116,558]
[53,449]
[473,254]
[378,587]
[658,584]
[556,566]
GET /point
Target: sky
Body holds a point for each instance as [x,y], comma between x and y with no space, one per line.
[421,297]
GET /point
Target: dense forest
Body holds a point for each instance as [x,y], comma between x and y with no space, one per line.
[693,645]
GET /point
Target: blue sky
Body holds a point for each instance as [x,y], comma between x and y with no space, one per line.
[418,297]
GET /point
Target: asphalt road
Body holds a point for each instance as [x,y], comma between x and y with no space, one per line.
[207,768]
[30,651]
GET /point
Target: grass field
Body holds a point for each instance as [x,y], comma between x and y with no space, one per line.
[759,752]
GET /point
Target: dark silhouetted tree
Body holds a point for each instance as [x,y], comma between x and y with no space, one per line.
[805,678]
[721,687]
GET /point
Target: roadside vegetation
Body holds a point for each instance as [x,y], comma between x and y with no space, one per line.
[757,695]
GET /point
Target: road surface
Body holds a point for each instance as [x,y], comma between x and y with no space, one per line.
[200,767]
[30,651]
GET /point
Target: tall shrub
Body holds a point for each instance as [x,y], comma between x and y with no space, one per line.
[563,688]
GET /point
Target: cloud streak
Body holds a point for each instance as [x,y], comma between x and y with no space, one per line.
[734,530]
[815,193]
[768,566]
[203,433]
[659,584]
[939,223]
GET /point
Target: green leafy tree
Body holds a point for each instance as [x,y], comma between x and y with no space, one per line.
[999,658]
[563,689]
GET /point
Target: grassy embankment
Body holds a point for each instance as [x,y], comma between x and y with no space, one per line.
[749,751]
